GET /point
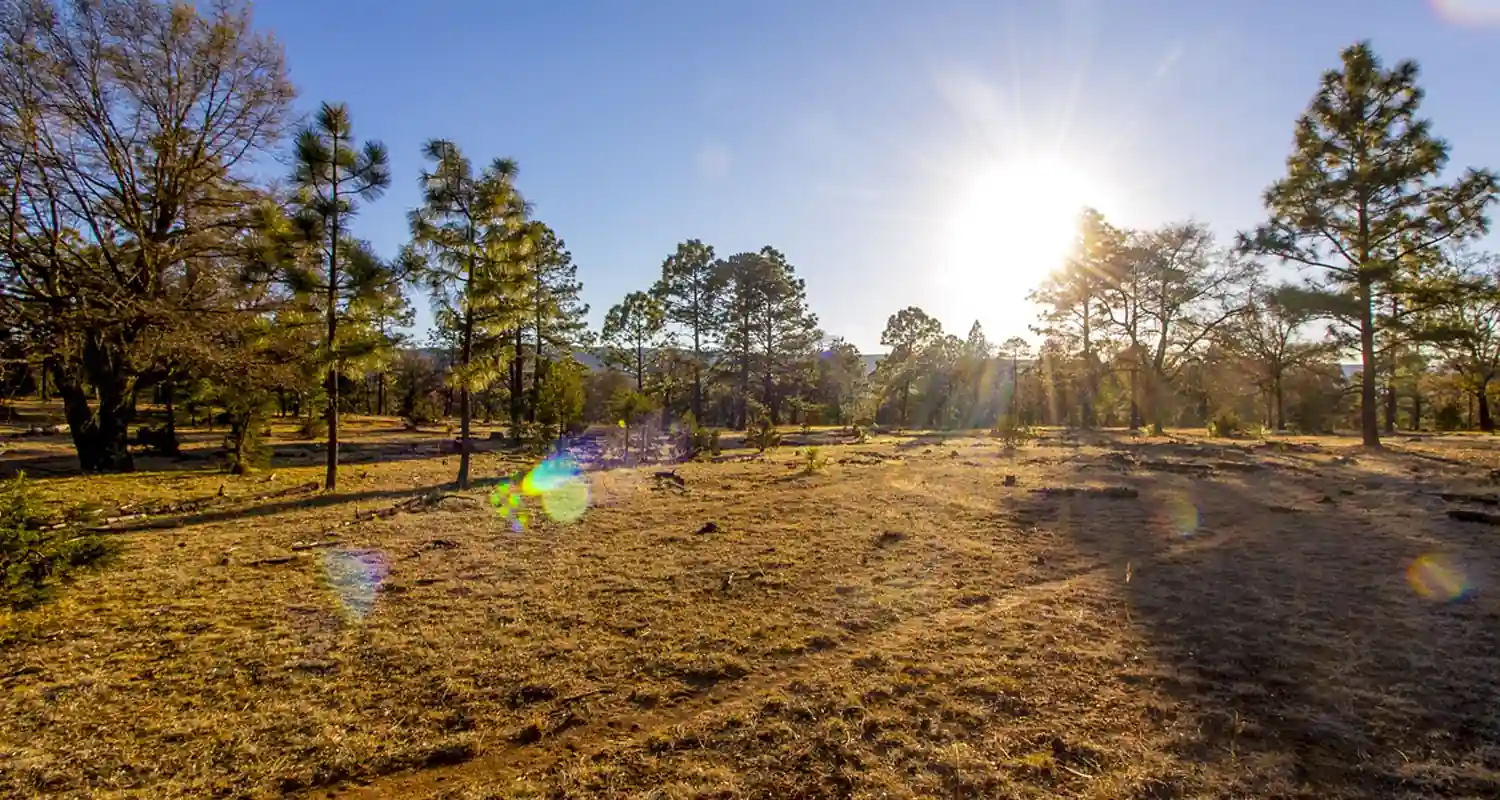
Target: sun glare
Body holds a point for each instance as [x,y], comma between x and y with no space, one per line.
[1016,224]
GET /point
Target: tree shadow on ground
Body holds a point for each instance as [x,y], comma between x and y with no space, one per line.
[53,456]
[1284,618]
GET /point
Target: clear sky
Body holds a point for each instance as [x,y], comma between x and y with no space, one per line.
[869,140]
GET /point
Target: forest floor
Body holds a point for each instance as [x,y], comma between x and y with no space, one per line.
[1135,617]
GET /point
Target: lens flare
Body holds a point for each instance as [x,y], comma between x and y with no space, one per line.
[1438,577]
[557,484]
[355,577]
[506,500]
[1470,12]
[561,487]
[1179,516]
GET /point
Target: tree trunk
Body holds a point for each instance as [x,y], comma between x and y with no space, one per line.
[1135,406]
[1482,397]
[101,436]
[1280,406]
[169,437]
[1369,422]
[465,404]
[1392,400]
[380,393]
[1416,409]
[905,395]
[331,473]
[697,377]
[517,386]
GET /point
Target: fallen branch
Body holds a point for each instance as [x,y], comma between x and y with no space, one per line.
[1461,497]
[1465,515]
[299,546]
[572,698]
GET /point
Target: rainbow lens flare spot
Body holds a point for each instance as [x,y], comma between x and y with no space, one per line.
[1438,577]
[1179,515]
[506,500]
[355,577]
[560,485]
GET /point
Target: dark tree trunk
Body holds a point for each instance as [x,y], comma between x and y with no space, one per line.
[1482,398]
[539,368]
[465,404]
[1135,406]
[1280,405]
[1392,401]
[380,394]
[697,376]
[1416,409]
[1369,423]
[517,386]
[101,436]
[169,441]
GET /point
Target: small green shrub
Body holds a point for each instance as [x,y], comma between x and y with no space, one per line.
[245,448]
[861,434]
[1011,432]
[812,461]
[33,560]
[314,426]
[1226,425]
[714,448]
[764,436]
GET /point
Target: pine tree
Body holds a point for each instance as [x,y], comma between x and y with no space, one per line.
[785,332]
[1362,196]
[736,294]
[554,311]
[1463,323]
[332,174]
[469,237]
[633,330]
[908,333]
[686,294]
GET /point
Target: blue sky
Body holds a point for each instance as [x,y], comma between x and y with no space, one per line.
[848,133]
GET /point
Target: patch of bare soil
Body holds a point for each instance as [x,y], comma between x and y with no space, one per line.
[895,626]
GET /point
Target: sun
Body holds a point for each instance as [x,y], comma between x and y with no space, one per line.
[1016,224]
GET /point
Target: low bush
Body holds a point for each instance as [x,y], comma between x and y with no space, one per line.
[1226,425]
[1011,432]
[763,436]
[33,559]
[812,461]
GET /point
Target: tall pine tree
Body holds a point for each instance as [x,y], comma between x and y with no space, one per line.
[1362,196]
[468,238]
[332,174]
[632,332]
[686,294]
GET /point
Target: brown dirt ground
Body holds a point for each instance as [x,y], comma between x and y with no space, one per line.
[898,624]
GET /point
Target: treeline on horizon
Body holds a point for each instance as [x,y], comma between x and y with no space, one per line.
[146,260]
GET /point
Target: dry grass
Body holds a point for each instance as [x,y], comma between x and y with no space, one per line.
[898,624]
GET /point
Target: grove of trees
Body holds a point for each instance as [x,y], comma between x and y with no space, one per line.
[149,256]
